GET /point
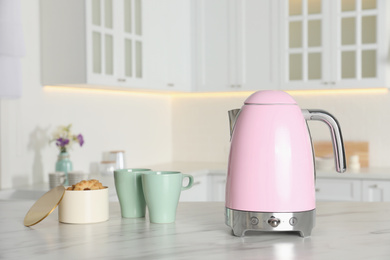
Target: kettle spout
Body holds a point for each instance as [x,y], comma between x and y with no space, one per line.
[233,115]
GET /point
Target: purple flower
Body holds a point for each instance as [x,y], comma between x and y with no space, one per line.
[64,138]
[81,139]
[61,142]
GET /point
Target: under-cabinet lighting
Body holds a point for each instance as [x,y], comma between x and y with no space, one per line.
[81,89]
[339,91]
[214,94]
[291,92]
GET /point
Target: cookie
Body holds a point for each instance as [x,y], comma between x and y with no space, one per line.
[87,185]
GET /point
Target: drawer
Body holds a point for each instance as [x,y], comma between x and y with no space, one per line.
[338,190]
[376,190]
[198,192]
[216,188]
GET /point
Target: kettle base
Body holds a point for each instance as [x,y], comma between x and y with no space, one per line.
[242,221]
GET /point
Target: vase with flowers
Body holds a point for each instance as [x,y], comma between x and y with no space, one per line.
[64,140]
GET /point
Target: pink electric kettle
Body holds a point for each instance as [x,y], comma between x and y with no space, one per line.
[270,183]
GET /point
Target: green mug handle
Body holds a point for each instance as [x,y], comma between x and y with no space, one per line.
[190,182]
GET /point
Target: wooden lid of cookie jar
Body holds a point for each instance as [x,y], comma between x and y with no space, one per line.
[44,206]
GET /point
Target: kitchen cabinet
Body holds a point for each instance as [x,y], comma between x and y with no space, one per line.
[352,189]
[376,190]
[338,190]
[198,192]
[216,187]
[210,187]
[169,44]
[235,45]
[214,45]
[349,187]
[333,44]
[211,46]
[93,42]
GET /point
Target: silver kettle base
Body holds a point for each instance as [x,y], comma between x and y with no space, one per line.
[242,221]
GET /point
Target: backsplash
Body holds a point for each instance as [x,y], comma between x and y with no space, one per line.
[204,135]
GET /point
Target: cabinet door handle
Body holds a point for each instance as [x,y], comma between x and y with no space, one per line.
[170,85]
[196,183]
[121,80]
[375,186]
[317,189]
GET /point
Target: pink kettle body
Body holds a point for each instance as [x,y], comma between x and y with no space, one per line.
[271,172]
[271,161]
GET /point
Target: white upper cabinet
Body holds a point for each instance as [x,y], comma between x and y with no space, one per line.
[212,45]
[256,61]
[361,54]
[333,44]
[215,45]
[235,45]
[169,44]
[92,42]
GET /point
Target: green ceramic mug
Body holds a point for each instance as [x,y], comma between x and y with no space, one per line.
[128,185]
[162,192]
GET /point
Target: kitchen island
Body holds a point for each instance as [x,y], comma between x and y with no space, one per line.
[344,230]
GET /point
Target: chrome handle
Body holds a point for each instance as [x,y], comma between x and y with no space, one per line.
[335,131]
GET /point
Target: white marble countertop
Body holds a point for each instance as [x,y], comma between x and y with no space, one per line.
[344,230]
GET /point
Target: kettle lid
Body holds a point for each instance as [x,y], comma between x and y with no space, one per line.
[270,97]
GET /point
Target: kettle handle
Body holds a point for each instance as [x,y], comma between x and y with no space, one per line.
[335,131]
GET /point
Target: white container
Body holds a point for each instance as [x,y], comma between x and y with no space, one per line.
[119,158]
[82,207]
[324,163]
[107,168]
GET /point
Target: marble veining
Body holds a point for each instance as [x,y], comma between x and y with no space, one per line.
[344,230]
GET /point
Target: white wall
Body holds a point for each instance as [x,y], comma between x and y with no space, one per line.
[138,123]
[201,125]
